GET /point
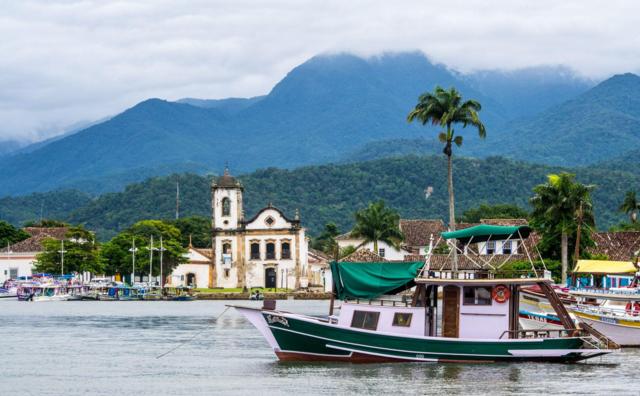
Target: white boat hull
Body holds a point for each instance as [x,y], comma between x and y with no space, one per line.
[62,297]
[623,335]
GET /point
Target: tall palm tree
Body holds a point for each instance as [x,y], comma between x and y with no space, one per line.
[446,108]
[630,206]
[378,223]
[560,207]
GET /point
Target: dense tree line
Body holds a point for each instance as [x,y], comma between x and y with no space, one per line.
[332,193]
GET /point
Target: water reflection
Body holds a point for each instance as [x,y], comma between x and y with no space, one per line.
[94,348]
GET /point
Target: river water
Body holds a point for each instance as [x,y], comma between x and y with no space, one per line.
[110,348]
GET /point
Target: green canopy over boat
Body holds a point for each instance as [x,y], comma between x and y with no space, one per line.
[370,280]
[485,232]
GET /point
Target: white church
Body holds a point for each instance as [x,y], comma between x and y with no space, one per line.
[268,250]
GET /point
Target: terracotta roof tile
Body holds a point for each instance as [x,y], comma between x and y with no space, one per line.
[622,245]
[34,244]
[505,222]
[417,232]
[362,256]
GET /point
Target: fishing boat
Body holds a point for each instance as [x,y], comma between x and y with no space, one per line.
[477,322]
[9,289]
[43,292]
[616,314]
[178,293]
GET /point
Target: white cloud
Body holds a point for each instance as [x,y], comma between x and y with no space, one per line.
[66,61]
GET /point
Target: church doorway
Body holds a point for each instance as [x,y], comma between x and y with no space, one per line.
[270,278]
[191,279]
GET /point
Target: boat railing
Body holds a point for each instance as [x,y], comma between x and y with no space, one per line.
[540,333]
[405,302]
[477,274]
[621,312]
[594,290]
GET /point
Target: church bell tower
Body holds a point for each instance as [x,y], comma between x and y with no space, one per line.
[226,202]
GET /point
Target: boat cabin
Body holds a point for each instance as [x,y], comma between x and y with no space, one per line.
[467,308]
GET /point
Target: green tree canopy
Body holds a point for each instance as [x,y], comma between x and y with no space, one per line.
[81,253]
[499,211]
[378,222]
[10,234]
[561,207]
[195,228]
[630,206]
[326,241]
[119,257]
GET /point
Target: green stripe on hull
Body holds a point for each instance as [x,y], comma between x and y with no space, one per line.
[308,337]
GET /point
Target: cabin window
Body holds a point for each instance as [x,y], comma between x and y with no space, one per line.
[506,247]
[365,320]
[271,251]
[402,319]
[478,295]
[226,206]
[226,272]
[286,250]
[255,251]
[491,247]
[381,252]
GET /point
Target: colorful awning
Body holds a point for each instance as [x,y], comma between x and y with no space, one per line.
[604,267]
[485,232]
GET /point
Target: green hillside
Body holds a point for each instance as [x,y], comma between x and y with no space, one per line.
[333,192]
[601,124]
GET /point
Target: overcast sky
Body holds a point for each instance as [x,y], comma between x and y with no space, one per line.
[63,62]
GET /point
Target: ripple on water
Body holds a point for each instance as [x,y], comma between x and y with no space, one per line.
[102,348]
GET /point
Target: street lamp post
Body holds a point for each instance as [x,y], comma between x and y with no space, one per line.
[133,251]
[62,252]
[162,249]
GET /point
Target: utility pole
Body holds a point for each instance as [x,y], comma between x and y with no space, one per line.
[62,252]
[133,251]
[177,200]
[162,249]
[150,258]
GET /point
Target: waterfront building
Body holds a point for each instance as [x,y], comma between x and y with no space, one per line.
[18,260]
[267,250]
[195,272]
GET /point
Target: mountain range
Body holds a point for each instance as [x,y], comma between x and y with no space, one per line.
[329,109]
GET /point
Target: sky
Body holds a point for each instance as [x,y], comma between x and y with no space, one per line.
[69,62]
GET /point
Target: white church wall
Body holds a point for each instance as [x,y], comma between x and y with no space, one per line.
[260,222]
[180,274]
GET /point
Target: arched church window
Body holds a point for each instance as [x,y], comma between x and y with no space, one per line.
[271,251]
[286,250]
[226,254]
[226,206]
[255,251]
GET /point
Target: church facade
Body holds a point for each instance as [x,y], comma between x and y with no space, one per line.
[268,250]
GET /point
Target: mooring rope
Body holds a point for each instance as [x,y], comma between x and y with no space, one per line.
[188,340]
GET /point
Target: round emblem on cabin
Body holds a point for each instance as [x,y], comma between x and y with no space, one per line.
[501,294]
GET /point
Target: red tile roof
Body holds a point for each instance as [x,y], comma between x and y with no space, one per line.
[34,244]
[362,256]
[417,232]
[617,246]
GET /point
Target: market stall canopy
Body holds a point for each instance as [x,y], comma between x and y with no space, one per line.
[604,267]
[370,280]
[485,232]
